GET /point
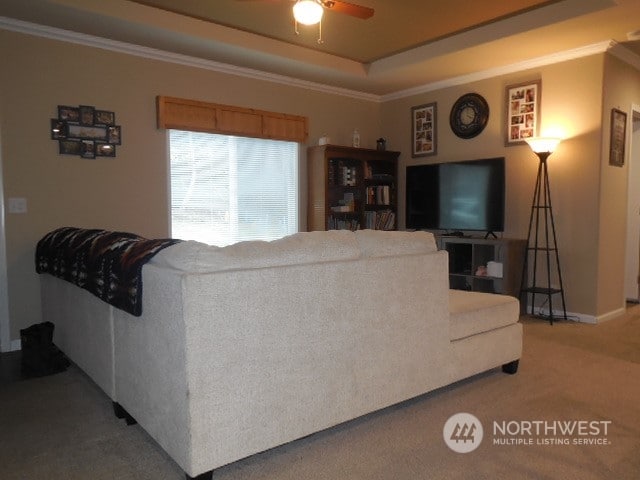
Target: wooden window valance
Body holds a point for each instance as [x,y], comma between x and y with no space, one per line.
[181,114]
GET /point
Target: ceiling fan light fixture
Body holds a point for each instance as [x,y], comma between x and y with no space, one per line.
[307,12]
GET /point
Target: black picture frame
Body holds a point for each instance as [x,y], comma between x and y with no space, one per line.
[618,137]
[105,150]
[104,117]
[69,147]
[87,114]
[58,129]
[87,132]
[87,148]
[114,135]
[68,114]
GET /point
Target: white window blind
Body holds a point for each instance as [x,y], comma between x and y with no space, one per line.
[227,189]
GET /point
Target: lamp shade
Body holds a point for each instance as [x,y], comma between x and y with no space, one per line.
[543,144]
[307,12]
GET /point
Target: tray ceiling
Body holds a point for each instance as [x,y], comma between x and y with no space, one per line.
[405,44]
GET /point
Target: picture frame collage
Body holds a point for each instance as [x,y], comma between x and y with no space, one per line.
[86,131]
[523,112]
[423,131]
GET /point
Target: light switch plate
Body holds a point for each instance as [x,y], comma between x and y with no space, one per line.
[17,205]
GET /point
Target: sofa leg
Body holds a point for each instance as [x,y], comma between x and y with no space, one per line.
[203,476]
[120,412]
[511,367]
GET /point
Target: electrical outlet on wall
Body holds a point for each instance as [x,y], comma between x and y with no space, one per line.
[17,205]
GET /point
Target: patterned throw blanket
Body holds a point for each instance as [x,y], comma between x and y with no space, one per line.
[107,264]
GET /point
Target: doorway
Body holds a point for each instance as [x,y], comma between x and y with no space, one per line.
[5,340]
[632,256]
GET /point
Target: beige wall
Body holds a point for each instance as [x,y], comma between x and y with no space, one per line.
[129,192]
[622,88]
[570,107]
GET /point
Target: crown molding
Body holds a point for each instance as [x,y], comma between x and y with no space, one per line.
[53,33]
[623,53]
[538,62]
[59,34]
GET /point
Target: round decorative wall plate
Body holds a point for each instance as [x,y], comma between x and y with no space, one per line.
[469,115]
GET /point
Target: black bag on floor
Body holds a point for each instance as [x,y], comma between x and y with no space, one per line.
[39,355]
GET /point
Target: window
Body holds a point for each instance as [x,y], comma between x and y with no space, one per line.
[227,189]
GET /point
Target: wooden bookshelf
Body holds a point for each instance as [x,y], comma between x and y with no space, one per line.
[352,188]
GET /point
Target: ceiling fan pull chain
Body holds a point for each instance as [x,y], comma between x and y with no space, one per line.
[320,32]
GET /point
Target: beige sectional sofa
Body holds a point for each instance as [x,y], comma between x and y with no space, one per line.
[243,348]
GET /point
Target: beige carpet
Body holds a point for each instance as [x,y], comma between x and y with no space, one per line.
[62,427]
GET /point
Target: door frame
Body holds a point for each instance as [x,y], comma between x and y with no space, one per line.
[632,255]
[5,329]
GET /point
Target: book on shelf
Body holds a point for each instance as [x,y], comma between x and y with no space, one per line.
[334,223]
[341,174]
[342,209]
[380,220]
[349,176]
[379,195]
[369,174]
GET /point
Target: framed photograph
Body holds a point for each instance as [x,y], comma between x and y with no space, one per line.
[618,137]
[58,129]
[81,132]
[114,135]
[68,114]
[69,147]
[522,112]
[105,150]
[86,114]
[423,130]
[102,117]
[87,149]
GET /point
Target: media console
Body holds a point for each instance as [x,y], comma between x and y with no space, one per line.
[470,256]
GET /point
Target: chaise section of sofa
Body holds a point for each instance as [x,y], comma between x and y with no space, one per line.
[484,333]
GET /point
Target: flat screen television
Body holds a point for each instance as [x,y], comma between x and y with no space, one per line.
[457,196]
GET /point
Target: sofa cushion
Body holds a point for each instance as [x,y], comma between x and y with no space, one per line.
[296,249]
[471,313]
[380,243]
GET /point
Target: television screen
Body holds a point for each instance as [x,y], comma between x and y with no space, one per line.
[456,196]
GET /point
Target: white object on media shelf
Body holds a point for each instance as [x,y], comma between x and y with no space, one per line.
[356,138]
[494,269]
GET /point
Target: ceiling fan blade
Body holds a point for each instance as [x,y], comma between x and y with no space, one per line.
[349,8]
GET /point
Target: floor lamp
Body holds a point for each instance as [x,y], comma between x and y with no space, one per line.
[541,240]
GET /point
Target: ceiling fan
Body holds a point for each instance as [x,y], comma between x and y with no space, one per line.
[347,8]
[310,12]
